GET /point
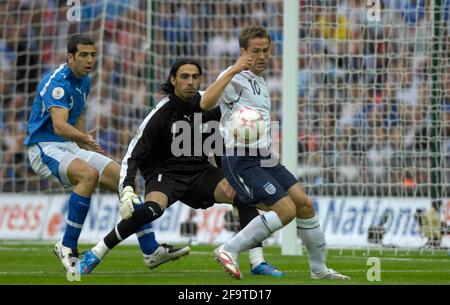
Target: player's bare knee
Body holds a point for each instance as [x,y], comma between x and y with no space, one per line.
[90,176]
[286,210]
[305,208]
[290,213]
[307,205]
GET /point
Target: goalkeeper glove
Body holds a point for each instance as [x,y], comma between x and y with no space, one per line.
[127,199]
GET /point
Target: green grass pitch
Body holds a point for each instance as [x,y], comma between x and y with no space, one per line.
[34,263]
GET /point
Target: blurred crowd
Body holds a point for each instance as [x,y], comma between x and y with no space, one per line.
[365,89]
[366,111]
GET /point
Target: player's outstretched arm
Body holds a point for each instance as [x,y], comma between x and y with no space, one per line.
[81,126]
[81,123]
[215,90]
[62,128]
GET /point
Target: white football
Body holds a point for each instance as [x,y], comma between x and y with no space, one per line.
[246,124]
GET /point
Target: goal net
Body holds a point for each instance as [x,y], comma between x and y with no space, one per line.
[373,93]
[373,117]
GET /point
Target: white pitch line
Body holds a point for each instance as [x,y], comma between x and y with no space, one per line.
[211,253]
[26,272]
[145,273]
[26,242]
[431,259]
[14,249]
[306,272]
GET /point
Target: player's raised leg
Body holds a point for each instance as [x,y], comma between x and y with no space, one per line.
[110,181]
[249,188]
[126,227]
[152,209]
[258,265]
[259,229]
[154,254]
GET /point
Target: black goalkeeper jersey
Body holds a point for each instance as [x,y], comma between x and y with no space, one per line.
[151,148]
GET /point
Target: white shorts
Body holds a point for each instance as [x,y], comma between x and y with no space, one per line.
[52,159]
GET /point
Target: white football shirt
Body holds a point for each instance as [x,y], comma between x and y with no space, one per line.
[245,89]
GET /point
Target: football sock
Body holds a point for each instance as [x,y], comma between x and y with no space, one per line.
[146,239]
[78,210]
[146,236]
[100,249]
[146,214]
[246,214]
[255,232]
[311,234]
[256,256]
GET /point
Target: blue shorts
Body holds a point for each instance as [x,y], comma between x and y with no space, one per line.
[255,184]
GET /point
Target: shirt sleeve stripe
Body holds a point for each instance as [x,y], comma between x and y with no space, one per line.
[50,79]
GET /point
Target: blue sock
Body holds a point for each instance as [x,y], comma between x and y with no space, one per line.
[78,210]
[146,237]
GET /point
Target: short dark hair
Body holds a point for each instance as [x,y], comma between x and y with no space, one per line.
[78,39]
[250,32]
[167,86]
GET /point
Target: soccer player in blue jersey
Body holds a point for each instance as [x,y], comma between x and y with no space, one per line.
[268,185]
[59,148]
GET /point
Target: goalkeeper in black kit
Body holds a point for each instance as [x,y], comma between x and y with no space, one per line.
[172,173]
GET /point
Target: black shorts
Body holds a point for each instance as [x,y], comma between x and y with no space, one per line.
[195,189]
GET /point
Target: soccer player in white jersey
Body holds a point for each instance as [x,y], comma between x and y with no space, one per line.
[269,186]
[59,148]
[170,175]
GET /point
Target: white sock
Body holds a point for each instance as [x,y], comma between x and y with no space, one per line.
[256,256]
[100,249]
[311,234]
[255,232]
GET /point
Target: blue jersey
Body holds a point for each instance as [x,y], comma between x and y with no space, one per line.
[61,88]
